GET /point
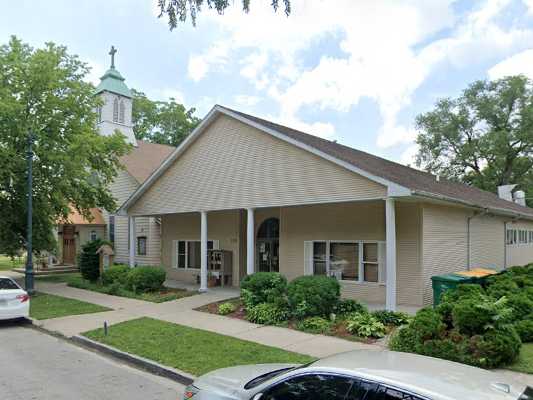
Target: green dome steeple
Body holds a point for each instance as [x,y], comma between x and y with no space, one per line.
[112,81]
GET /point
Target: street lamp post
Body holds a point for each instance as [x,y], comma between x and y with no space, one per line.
[29,258]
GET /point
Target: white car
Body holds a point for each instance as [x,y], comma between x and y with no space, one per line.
[14,301]
[358,375]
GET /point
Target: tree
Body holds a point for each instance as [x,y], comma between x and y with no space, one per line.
[179,10]
[164,122]
[42,91]
[484,137]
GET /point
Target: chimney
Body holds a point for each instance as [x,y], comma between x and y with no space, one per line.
[520,197]
[506,192]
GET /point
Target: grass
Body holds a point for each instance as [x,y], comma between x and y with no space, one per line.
[161,296]
[525,360]
[57,278]
[45,306]
[6,263]
[192,350]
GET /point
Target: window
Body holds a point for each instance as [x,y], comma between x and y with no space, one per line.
[362,261]
[121,112]
[141,245]
[312,386]
[115,110]
[188,253]
[99,113]
[522,237]
[93,235]
[112,229]
[384,393]
[530,237]
[511,236]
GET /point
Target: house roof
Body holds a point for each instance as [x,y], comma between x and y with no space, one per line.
[75,218]
[405,180]
[113,82]
[144,159]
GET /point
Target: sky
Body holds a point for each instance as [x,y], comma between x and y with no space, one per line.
[354,71]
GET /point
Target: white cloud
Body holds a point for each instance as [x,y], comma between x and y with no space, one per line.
[529,5]
[200,64]
[245,100]
[520,63]
[408,157]
[96,72]
[167,93]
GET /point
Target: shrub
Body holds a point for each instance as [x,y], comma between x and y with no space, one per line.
[524,329]
[226,308]
[395,318]
[349,306]
[496,347]
[266,313]
[89,261]
[145,279]
[427,324]
[263,287]
[114,288]
[404,339]
[446,348]
[521,306]
[311,296]
[501,285]
[314,325]
[463,291]
[468,318]
[116,274]
[365,325]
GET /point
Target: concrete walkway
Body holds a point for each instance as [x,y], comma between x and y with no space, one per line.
[182,312]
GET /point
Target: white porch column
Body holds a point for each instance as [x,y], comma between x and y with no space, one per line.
[203,251]
[250,242]
[131,226]
[390,227]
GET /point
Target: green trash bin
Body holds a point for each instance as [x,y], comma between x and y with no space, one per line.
[441,283]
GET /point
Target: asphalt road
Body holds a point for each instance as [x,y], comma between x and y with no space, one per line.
[36,366]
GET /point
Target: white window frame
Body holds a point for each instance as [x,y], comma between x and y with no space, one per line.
[214,246]
[361,262]
[511,237]
[530,237]
[522,236]
[91,234]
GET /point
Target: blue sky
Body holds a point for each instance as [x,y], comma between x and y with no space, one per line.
[358,72]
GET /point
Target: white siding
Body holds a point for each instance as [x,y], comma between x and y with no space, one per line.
[487,242]
[520,254]
[234,166]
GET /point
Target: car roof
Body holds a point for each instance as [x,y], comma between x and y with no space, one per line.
[430,377]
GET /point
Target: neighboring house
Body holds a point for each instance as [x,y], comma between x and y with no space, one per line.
[282,200]
[116,114]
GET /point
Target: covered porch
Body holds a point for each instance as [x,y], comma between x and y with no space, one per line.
[351,241]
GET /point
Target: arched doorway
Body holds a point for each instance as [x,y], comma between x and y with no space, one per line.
[267,251]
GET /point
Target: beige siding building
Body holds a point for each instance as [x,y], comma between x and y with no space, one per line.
[270,198]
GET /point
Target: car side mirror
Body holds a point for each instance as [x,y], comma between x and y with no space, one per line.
[257,396]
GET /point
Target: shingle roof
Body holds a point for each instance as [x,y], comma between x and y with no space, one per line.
[75,218]
[144,159]
[420,182]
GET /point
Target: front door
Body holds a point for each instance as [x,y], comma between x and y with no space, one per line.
[267,251]
[69,245]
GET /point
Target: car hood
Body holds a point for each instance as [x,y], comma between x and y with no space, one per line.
[229,380]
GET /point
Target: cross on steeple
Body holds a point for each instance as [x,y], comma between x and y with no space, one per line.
[112,54]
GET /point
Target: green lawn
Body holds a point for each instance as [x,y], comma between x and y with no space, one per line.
[192,350]
[45,306]
[155,297]
[525,360]
[6,263]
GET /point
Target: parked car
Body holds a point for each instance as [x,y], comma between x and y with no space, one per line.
[14,301]
[358,375]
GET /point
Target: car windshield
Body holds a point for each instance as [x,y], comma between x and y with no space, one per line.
[269,375]
[527,395]
[7,284]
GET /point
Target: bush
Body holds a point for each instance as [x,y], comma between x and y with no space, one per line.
[365,325]
[496,347]
[314,325]
[524,329]
[446,348]
[404,339]
[145,279]
[263,287]
[226,308]
[395,318]
[116,274]
[427,324]
[349,306]
[501,285]
[266,313]
[313,296]
[462,292]
[469,319]
[521,306]
[89,261]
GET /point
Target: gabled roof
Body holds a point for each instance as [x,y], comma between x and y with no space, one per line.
[75,218]
[399,179]
[144,159]
[113,82]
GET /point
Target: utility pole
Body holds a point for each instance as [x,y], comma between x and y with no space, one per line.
[29,258]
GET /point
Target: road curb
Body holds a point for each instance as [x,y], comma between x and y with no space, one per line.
[137,361]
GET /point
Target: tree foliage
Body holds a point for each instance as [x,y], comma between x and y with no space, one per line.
[42,91]
[484,137]
[164,122]
[180,10]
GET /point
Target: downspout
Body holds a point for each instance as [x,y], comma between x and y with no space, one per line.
[505,244]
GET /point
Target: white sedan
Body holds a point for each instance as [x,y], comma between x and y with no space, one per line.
[14,301]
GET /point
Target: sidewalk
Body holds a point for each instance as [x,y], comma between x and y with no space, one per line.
[182,312]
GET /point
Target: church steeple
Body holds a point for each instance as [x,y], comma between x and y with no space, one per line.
[116,112]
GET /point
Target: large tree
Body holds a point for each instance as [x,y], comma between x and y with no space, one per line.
[164,122]
[484,137]
[42,92]
[180,10]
